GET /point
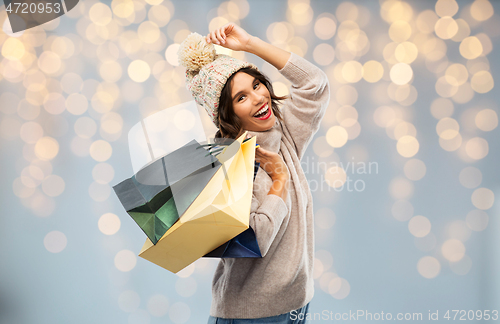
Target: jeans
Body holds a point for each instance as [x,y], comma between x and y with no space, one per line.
[294,317]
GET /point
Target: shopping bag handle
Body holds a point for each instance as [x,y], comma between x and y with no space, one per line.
[214,148]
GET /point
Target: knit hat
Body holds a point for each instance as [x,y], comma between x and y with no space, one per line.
[207,71]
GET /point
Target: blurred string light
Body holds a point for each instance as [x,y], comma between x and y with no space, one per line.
[419,226]
[55,241]
[428,267]
[456,81]
[109,223]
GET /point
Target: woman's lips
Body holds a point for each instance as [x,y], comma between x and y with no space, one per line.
[266,116]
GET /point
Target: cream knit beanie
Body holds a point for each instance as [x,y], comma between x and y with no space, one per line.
[207,71]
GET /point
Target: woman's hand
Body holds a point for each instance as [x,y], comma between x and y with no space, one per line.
[274,165]
[230,36]
[235,38]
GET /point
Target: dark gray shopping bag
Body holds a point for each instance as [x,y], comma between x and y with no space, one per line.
[148,196]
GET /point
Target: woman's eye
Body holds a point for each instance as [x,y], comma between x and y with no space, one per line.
[240,98]
[256,85]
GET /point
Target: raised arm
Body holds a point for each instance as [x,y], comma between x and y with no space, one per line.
[236,38]
[309,98]
[310,90]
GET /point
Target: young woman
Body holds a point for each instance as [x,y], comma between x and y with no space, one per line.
[278,287]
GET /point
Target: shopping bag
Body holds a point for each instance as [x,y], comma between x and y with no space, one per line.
[242,246]
[219,213]
[148,196]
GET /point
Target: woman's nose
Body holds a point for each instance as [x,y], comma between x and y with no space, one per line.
[258,100]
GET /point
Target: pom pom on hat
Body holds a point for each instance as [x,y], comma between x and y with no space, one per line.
[194,52]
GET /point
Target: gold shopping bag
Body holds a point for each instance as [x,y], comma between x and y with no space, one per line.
[219,213]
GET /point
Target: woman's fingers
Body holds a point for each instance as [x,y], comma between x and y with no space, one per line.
[219,36]
[262,151]
[214,38]
[228,28]
[210,39]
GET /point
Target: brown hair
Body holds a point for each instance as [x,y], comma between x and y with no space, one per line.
[229,123]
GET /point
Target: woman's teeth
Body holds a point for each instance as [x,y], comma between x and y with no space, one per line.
[262,111]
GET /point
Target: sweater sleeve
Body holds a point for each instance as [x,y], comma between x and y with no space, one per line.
[309,98]
[266,219]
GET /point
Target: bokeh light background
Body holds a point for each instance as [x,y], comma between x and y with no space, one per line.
[413,93]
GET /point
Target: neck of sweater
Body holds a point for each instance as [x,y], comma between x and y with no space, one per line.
[269,139]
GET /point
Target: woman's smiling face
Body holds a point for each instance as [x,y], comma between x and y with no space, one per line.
[251,98]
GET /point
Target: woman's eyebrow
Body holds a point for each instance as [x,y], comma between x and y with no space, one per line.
[239,92]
